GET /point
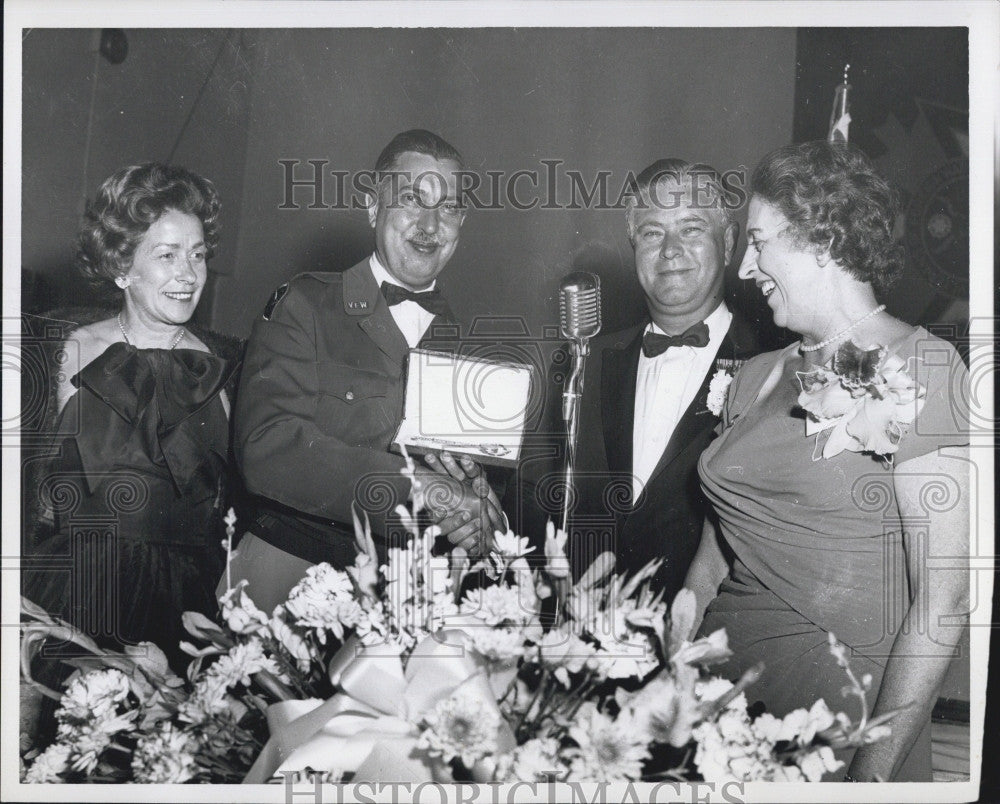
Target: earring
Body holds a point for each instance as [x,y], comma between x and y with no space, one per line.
[122,282]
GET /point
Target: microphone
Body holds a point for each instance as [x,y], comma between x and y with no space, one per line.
[580,306]
[579,321]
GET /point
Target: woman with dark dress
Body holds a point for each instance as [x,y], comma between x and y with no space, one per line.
[134,495]
[833,487]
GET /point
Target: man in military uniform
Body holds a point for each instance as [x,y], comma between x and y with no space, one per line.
[321,394]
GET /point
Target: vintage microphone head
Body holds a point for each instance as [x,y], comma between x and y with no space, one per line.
[580,305]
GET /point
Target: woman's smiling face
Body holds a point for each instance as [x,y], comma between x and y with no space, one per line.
[168,270]
[786,273]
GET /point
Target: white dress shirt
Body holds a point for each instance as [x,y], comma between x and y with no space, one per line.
[410,317]
[665,386]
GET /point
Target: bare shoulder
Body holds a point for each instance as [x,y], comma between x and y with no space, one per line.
[892,331]
[81,347]
[92,340]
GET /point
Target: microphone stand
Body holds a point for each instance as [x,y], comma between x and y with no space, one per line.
[572,392]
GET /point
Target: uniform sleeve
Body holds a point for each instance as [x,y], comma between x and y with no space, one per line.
[282,452]
[944,418]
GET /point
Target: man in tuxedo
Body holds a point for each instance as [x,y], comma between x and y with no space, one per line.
[321,393]
[645,416]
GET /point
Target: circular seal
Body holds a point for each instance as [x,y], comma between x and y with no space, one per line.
[937,228]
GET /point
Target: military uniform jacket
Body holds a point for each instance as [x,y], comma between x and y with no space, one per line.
[320,400]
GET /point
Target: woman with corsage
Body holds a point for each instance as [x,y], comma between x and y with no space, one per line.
[840,471]
[135,494]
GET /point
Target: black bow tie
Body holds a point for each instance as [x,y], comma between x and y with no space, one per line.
[431,300]
[654,344]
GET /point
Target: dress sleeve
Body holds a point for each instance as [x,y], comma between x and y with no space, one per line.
[944,419]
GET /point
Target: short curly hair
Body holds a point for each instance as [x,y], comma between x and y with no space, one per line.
[130,201]
[832,196]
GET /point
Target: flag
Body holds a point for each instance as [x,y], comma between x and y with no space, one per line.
[840,116]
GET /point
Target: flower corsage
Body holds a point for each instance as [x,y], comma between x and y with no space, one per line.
[867,401]
[718,388]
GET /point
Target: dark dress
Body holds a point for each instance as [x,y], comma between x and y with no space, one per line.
[135,493]
[817,543]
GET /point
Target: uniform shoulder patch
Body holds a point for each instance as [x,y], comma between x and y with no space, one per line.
[276,297]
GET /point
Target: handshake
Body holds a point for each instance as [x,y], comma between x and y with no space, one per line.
[460,502]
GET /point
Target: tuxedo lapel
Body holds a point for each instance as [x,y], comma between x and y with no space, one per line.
[619,368]
[738,344]
[362,298]
[696,418]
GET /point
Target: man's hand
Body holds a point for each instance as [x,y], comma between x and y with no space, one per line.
[466,470]
[461,503]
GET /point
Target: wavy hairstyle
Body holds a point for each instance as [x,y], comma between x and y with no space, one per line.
[832,196]
[130,201]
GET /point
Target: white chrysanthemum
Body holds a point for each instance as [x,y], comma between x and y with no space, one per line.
[495,644]
[243,661]
[208,698]
[47,766]
[607,750]
[321,600]
[536,761]
[731,748]
[461,726]
[164,757]
[93,695]
[495,605]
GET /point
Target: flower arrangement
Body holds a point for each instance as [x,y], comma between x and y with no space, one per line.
[866,399]
[431,668]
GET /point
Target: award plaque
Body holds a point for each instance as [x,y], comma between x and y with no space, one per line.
[465,405]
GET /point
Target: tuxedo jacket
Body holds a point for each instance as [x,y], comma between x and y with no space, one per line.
[320,399]
[666,520]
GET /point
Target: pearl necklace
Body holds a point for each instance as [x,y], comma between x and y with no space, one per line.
[121,326]
[842,333]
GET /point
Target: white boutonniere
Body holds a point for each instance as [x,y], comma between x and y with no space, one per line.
[718,388]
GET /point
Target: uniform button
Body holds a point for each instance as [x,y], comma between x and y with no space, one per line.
[349,396]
